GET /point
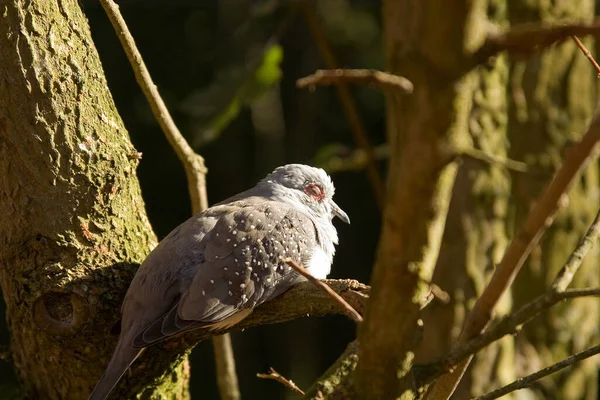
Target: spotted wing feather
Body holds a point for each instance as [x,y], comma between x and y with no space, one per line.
[241,267]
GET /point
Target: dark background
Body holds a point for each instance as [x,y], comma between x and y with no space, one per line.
[203,55]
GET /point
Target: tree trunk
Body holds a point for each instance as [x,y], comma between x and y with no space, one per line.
[429,43]
[475,237]
[74,227]
[553,99]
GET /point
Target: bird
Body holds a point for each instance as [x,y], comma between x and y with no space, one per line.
[211,271]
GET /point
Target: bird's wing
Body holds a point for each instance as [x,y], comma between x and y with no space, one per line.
[241,267]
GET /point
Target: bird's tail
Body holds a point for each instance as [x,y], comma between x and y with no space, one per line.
[124,355]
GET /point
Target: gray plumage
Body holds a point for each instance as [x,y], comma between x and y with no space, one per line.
[214,269]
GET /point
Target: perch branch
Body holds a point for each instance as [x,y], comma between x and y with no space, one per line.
[195,171]
[276,376]
[302,300]
[587,53]
[529,379]
[351,312]
[348,103]
[527,38]
[383,80]
[540,217]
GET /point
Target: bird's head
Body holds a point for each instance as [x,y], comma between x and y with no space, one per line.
[306,187]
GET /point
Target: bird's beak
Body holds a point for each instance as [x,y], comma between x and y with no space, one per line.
[338,212]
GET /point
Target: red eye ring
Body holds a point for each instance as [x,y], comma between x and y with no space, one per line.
[314,191]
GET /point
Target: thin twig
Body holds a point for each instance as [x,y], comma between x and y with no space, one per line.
[192,162]
[485,157]
[540,217]
[439,293]
[195,171]
[383,80]
[509,324]
[587,53]
[527,38]
[566,273]
[276,376]
[529,379]
[348,103]
[350,311]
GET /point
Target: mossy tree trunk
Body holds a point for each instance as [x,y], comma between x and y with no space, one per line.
[553,98]
[476,233]
[432,45]
[73,227]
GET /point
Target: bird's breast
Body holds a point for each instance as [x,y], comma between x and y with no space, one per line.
[319,264]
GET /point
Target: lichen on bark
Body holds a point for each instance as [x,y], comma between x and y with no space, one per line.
[476,231]
[554,99]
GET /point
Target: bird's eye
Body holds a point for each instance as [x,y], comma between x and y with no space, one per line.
[314,191]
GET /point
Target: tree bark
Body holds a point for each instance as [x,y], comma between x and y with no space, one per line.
[430,44]
[553,99]
[476,233]
[74,227]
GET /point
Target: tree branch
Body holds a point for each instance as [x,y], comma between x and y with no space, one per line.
[192,162]
[383,80]
[350,312]
[587,53]
[540,218]
[482,156]
[528,38]
[276,376]
[337,378]
[529,379]
[300,301]
[348,103]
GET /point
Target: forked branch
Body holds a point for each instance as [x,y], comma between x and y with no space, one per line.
[540,217]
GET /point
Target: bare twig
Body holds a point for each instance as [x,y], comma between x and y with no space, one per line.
[192,162]
[566,273]
[540,217]
[349,310]
[276,376]
[348,103]
[527,38]
[529,379]
[383,80]
[587,53]
[488,158]
[195,171]
[509,324]
[439,293]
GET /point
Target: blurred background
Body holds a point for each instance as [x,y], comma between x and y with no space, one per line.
[227,70]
